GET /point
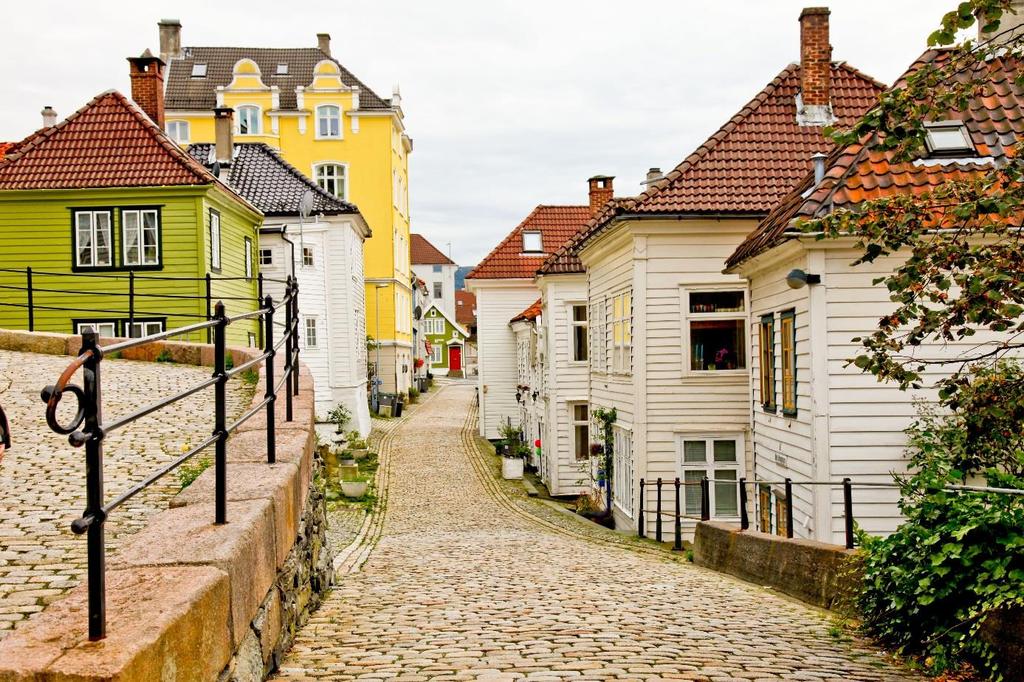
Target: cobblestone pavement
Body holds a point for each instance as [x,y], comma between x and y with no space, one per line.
[42,478]
[463,584]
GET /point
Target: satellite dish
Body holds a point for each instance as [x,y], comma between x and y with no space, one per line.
[306,204]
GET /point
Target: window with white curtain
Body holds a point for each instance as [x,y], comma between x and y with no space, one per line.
[719,458]
[328,121]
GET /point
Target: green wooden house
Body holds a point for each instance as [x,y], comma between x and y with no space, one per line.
[105,221]
[447,342]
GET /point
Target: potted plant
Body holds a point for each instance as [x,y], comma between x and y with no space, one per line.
[514,451]
[354,488]
[340,416]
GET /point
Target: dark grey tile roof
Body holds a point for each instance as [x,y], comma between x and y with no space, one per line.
[270,183]
[185,92]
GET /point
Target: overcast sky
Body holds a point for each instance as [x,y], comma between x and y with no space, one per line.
[510,103]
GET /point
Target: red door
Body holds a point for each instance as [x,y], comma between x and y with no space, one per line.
[454,359]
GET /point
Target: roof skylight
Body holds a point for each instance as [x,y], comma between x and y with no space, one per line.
[532,242]
[282,69]
[199,70]
[948,138]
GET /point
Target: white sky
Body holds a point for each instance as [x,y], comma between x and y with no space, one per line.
[510,104]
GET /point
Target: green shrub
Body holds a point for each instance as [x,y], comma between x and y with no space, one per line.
[190,470]
[164,356]
[229,361]
[250,377]
[959,556]
[340,416]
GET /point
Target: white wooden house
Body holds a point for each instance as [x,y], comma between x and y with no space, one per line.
[325,253]
[436,270]
[669,348]
[531,391]
[504,286]
[815,417]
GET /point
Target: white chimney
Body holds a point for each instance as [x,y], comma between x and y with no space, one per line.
[819,167]
[170,40]
[653,176]
[49,116]
[396,97]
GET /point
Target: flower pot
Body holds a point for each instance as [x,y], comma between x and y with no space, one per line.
[511,468]
[359,453]
[354,488]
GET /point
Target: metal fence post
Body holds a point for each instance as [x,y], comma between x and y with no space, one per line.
[131,302]
[31,304]
[641,519]
[209,306]
[92,409]
[295,343]
[744,520]
[270,394]
[657,528]
[289,339]
[678,545]
[705,499]
[789,508]
[220,429]
[848,511]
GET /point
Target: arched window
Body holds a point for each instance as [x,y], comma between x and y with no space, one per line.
[248,120]
[331,177]
[328,121]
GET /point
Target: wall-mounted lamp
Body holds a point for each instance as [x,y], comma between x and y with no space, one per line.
[797,279]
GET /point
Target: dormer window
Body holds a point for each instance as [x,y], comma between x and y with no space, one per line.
[282,69]
[948,138]
[532,242]
[199,70]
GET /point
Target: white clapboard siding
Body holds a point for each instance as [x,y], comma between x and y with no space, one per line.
[566,382]
[446,277]
[681,256]
[498,301]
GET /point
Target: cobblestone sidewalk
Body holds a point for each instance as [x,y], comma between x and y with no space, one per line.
[43,478]
[463,584]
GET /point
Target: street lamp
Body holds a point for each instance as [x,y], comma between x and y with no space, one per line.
[375,389]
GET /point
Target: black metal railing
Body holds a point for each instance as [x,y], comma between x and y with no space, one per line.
[88,427]
[847,485]
[37,291]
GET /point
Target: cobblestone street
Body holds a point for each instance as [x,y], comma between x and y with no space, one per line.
[465,584]
[43,478]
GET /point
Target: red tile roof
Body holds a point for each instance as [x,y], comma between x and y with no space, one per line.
[465,308]
[565,260]
[857,173]
[107,143]
[425,253]
[4,147]
[556,225]
[531,313]
[751,161]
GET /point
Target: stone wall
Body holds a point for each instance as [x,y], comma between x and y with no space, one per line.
[188,599]
[815,572]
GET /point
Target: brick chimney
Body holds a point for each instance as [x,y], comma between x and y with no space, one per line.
[223,125]
[814,103]
[600,192]
[170,39]
[147,73]
[323,41]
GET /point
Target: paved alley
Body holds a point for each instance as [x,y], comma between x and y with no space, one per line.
[461,586]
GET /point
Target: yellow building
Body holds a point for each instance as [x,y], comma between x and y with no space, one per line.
[329,125]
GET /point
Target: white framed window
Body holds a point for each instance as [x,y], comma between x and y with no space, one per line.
[307,256]
[140,237]
[715,330]
[435,354]
[438,290]
[214,240]
[622,332]
[199,70]
[248,257]
[332,178]
[104,329]
[579,413]
[143,328]
[310,330]
[266,256]
[579,332]
[948,138]
[622,469]
[533,242]
[248,119]
[282,69]
[178,131]
[438,268]
[328,121]
[719,458]
[93,247]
